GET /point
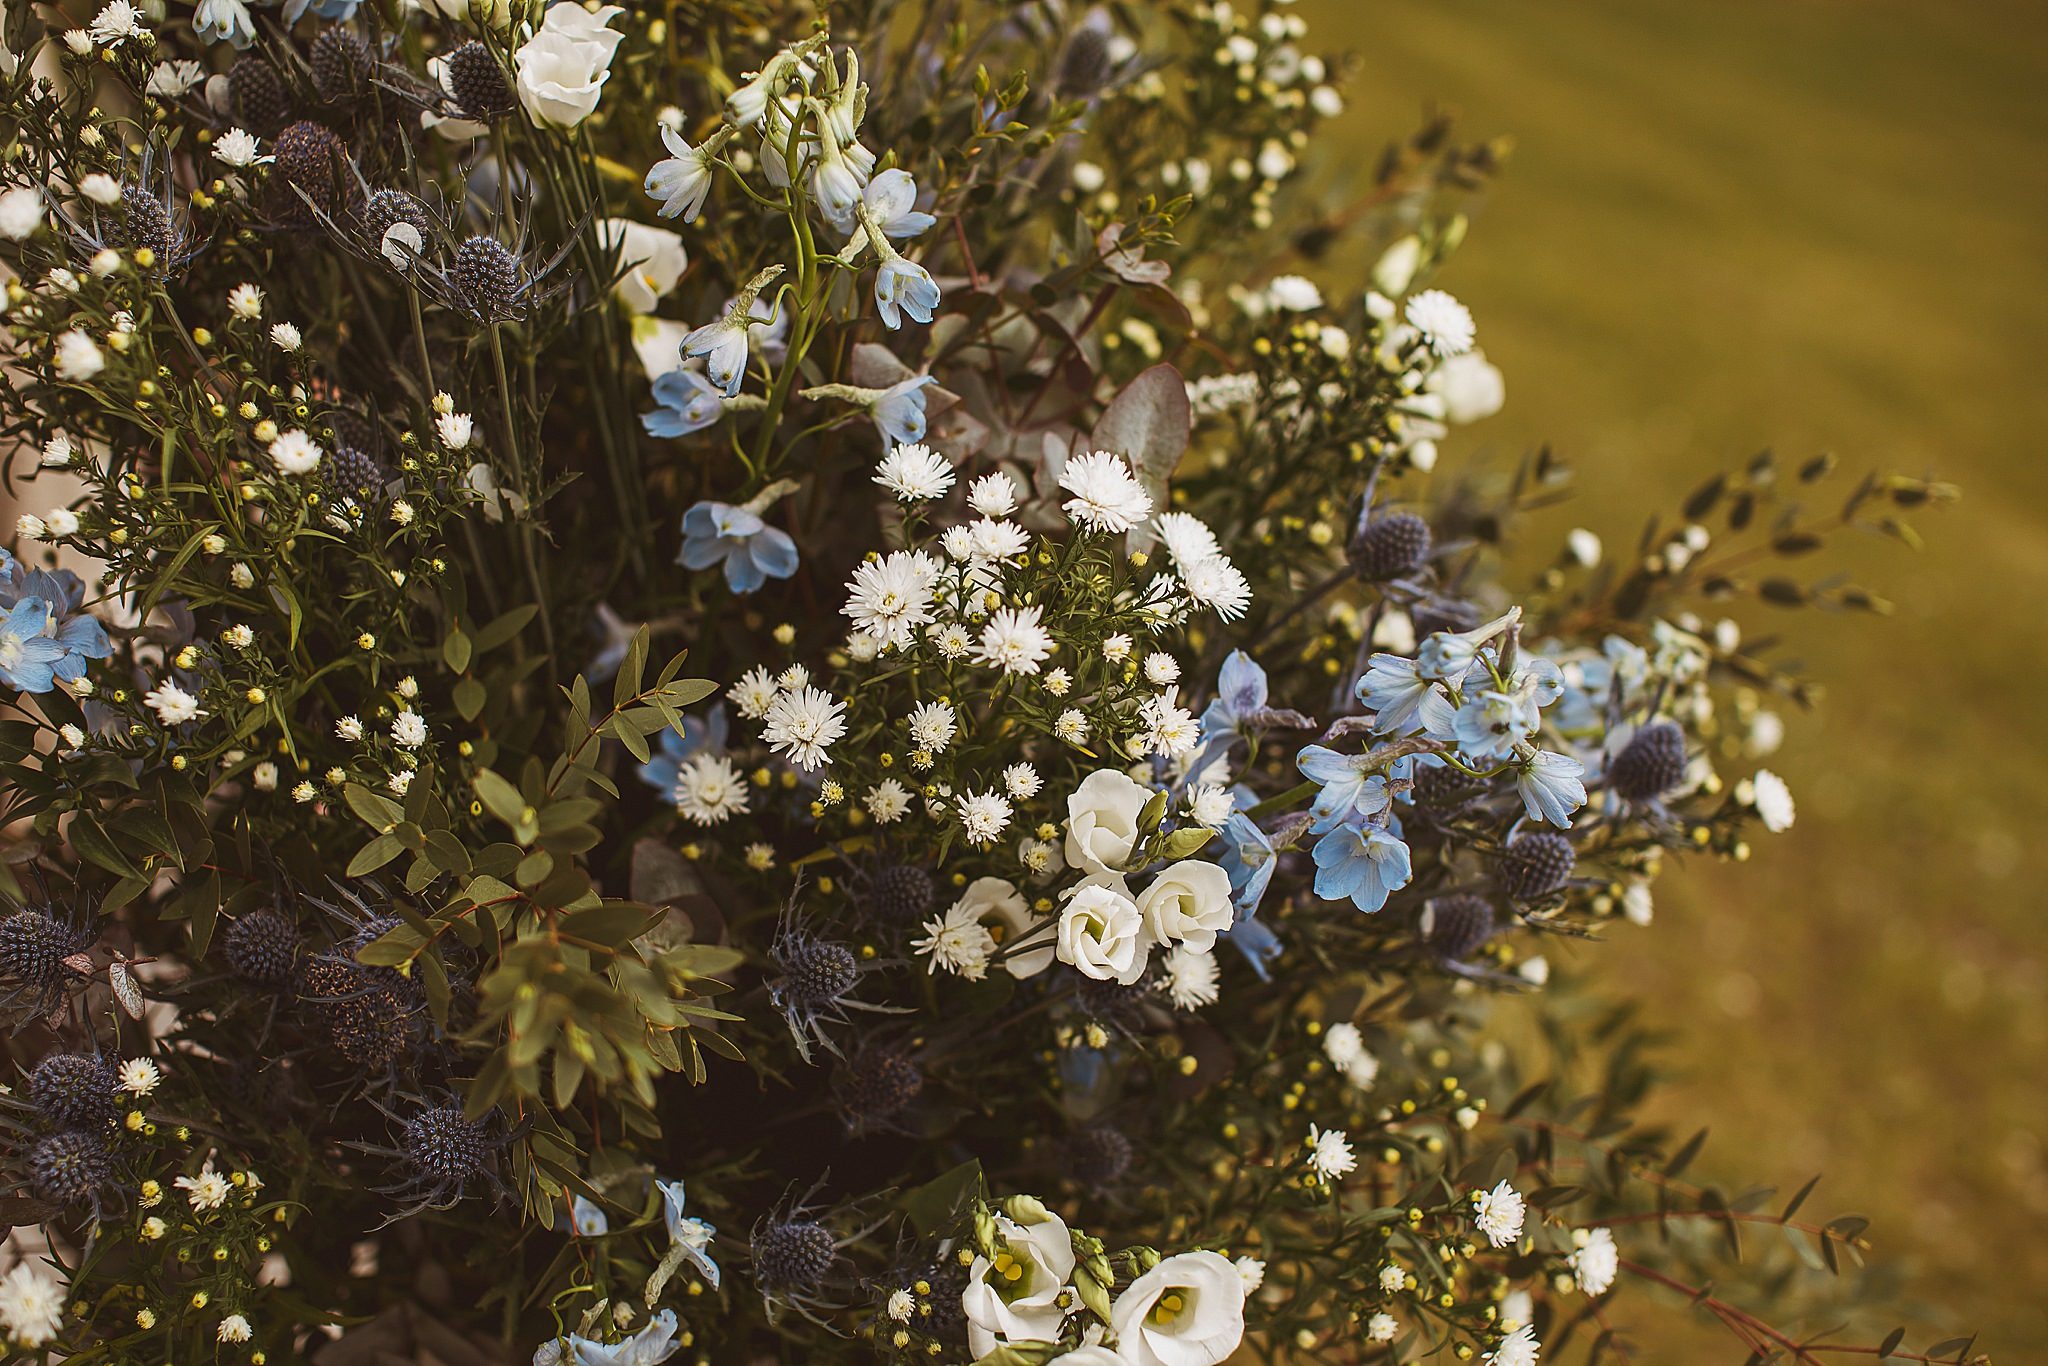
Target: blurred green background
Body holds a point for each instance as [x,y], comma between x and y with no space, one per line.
[1812,225]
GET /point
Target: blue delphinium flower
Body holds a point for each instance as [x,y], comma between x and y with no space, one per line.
[340,10]
[663,770]
[651,1346]
[689,403]
[1403,700]
[587,1219]
[1552,787]
[753,552]
[903,287]
[1352,788]
[691,1234]
[1361,862]
[61,599]
[899,411]
[28,655]
[1248,860]
[1241,690]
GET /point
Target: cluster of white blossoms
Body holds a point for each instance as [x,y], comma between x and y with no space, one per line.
[799,720]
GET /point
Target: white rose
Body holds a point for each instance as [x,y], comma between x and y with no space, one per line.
[999,906]
[1470,386]
[1102,820]
[1027,1308]
[1187,1311]
[1187,903]
[562,68]
[651,260]
[1102,933]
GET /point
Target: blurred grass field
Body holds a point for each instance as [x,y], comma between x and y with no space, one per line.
[1811,225]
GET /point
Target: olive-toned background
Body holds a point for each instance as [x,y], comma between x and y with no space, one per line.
[1806,224]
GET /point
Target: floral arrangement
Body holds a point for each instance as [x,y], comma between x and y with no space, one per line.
[662,655]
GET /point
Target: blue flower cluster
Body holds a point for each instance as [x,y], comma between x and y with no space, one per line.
[45,635]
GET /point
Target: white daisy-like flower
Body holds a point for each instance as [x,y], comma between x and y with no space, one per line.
[902,1304]
[1161,669]
[1251,1271]
[891,597]
[794,677]
[1071,726]
[21,212]
[264,776]
[1329,1153]
[286,337]
[294,452]
[803,723]
[951,640]
[1117,648]
[1595,1260]
[1210,805]
[886,801]
[233,1328]
[79,357]
[983,815]
[709,790]
[1499,1213]
[236,148]
[753,694]
[1220,586]
[1191,978]
[31,1305]
[172,704]
[1013,641]
[958,942]
[57,452]
[1022,781]
[932,726]
[139,1076]
[993,495]
[1393,1278]
[172,79]
[1773,801]
[1294,294]
[1445,324]
[101,189]
[117,21]
[1167,729]
[1519,1348]
[1187,537]
[348,728]
[1343,1044]
[208,1190]
[409,730]
[1057,682]
[246,301]
[1382,1327]
[1107,496]
[238,636]
[455,430]
[989,540]
[915,472]
[399,783]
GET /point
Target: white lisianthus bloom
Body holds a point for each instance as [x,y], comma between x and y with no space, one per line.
[1101,931]
[562,69]
[1186,1311]
[1026,1308]
[1187,903]
[1102,820]
[1000,909]
[651,260]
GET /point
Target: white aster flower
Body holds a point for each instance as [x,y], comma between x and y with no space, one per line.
[233,1328]
[246,301]
[1161,669]
[803,723]
[951,639]
[101,188]
[993,495]
[1294,294]
[79,357]
[206,1191]
[709,790]
[294,452]
[1022,781]
[958,942]
[1071,726]
[236,148]
[1330,1156]
[455,430]
[1773,801]
[1188,538]
[1393,1278]
[1013,641]
[286,337]
[902,1304]
[886,801]
[1518,1348]
[348,728]
[264,776]
[1499,1213]
[399,783]
[1057,682]
[31,1305]
[140,1076]
[1107,496]
[116,22]
[983,816]
[172,79]
[932,726]
[172,704]
[1595,1260]
[1251,1271]
[1382,1327]
[915,472]
[1445,324]
[1166,729]
[1117,648]
[891,597]
[753,694]
[1191,977]
[409,730]
[794,677]
[989,540]
[21,212]
[1218,585]
[57,452]
[1210,805]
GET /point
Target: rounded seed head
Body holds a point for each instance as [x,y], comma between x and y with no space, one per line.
[875,1085]
[312,173]
[900,893]
[1534,866]
[342,65]
[263,947]
[73,1091]
[488,276]
[1650,764]
[34,945]
[478,83]
[1458,926]
[818,972]
[444,1146]
[794,1254]
[1098,1156]
[1390,546]
[69,1167]
[257,97]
